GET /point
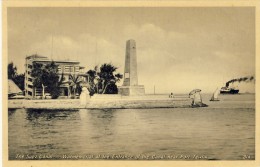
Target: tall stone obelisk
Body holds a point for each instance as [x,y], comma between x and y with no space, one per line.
[130,85]
[130,75]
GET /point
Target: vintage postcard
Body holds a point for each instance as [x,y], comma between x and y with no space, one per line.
[152,83]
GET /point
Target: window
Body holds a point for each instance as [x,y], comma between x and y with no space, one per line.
[68,69]
[59,69]
[76,69]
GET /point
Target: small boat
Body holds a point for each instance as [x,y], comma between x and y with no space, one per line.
[215,96]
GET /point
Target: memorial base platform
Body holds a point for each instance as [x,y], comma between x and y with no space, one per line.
[131,90]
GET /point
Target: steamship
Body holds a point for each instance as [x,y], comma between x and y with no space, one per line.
[226,90]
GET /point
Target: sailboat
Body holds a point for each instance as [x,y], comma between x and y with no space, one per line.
[215,95]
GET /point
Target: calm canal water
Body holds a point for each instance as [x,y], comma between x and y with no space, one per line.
[223,131]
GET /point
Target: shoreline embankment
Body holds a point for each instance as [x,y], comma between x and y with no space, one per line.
[103,103]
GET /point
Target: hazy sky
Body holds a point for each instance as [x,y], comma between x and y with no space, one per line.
[178,49]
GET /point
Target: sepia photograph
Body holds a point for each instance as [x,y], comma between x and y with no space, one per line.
[131,83]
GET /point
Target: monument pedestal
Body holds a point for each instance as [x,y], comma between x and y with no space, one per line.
[134,90]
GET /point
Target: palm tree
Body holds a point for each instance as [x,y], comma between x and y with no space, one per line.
[92,81]
[74,83]
[107,76]
[103,81]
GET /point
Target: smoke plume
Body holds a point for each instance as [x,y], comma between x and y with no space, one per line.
[243,79]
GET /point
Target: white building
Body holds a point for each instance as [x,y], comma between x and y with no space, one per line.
[66,67]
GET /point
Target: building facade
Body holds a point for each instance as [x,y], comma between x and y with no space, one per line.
[65,68]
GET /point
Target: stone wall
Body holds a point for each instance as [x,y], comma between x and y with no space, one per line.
[100,103]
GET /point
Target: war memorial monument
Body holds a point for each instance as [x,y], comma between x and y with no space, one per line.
[130,85]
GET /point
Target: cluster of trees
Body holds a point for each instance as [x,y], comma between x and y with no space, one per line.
[13,75]
[100,80]
[103,80]
[47,78]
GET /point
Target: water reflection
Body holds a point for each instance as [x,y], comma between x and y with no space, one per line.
[48,115]
[103,121]
[219,133]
